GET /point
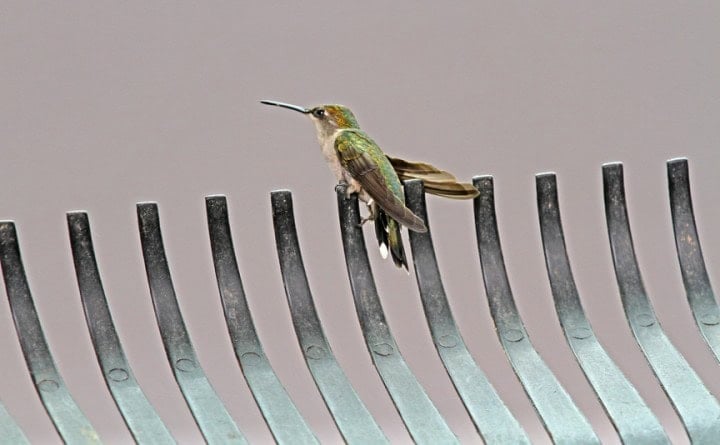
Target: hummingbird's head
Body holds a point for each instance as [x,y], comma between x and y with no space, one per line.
[327,118]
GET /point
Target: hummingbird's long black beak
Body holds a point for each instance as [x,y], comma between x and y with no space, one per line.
[284,105]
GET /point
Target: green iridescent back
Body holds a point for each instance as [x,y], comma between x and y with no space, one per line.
[355,142]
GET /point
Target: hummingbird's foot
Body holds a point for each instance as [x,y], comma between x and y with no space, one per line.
[371,216]
[366,219]
[351,188]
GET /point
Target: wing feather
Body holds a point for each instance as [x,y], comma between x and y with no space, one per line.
[355,151]
[436,181]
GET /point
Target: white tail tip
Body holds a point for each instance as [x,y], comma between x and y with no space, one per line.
[383,250]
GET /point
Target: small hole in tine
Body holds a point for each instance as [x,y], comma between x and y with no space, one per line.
[561,417]
[628,412]
[282,417]
[689,396]
[206,407]
[68,419]
[141,418]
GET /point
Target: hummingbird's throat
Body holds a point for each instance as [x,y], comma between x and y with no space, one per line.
[326,132]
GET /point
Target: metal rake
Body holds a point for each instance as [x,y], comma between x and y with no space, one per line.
[697,408]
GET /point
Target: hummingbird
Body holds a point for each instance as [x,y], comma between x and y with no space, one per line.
[358,161]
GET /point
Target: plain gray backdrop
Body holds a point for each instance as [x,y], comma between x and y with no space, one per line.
[104,104]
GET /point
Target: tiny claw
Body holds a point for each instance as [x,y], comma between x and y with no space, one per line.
[366,219]
[350,190]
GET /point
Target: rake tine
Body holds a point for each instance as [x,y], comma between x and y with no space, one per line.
[352,418]
[633,420]
[139,415]
[208,411]
[493,420]
[10,432]
[69,421]
[698,409]
[562,419]
[700,295]
[421,418]
[279,411]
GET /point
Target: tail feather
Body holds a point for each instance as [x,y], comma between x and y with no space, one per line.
[389,238]
[436,181]
[381,231]
[454,190]
[397,251]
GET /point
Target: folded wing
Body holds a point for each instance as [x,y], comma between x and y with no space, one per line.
[355,151]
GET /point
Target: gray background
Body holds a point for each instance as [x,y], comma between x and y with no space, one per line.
[103,104]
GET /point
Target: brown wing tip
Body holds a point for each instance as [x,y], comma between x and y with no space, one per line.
[419,227]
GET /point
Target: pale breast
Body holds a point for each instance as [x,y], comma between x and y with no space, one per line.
[327,145]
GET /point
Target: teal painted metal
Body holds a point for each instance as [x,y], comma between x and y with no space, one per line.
[421,418]
[208,411]
[69,420]
[140,417]
[632,418]
[701,298]
[493,420]
[10,432]
[562,419]
[276,406]
[352,418]
[697,408]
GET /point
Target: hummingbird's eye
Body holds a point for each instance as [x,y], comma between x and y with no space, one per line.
[319,113]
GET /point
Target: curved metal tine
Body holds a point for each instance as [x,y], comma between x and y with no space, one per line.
[352,418]
[209,412]
[10,432]
[139,415]
[700,295]
[493,420]
[69,420]
[562,419]
[421,418]
[279,411]
[632,418]
[698,409]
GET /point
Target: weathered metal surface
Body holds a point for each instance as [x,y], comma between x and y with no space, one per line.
[493,420]
[562,419]
[69,420]
[700,295]
[355,423]
[140,417]
[422,419]
[698,409]
[280,413]
[208,411]
[632,418]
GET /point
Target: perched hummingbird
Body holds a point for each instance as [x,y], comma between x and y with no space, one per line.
[358,161]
